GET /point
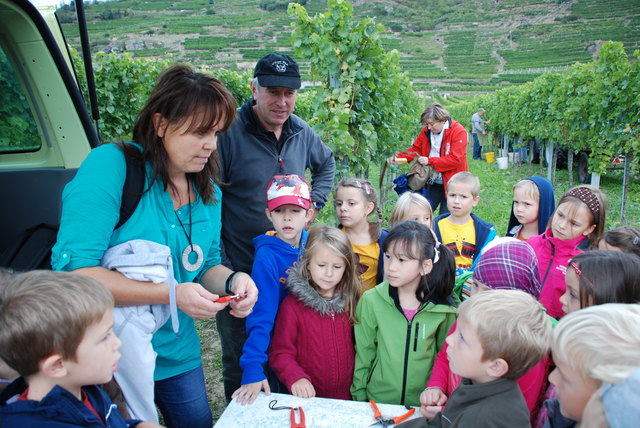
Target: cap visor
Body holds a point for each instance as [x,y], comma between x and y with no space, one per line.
[282,81]
[287,200]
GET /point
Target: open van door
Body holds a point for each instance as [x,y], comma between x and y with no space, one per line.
[45,128]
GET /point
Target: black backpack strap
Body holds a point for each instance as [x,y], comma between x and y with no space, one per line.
[133,186]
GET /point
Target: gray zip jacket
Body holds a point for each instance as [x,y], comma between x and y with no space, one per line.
[250,156]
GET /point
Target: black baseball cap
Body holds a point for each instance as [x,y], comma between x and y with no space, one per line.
[277,70]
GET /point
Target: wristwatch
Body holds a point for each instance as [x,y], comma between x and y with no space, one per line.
[318,205]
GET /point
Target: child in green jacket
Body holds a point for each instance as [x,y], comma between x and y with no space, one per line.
[402,322]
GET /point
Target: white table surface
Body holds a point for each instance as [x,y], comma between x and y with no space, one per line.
[319,412]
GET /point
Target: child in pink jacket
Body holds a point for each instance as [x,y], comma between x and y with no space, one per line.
[577,223]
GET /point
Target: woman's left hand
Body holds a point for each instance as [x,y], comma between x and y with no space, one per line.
[242,283]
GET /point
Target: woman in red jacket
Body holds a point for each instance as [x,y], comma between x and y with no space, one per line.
[442,143]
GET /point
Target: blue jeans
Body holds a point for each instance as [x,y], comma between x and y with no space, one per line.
[477,148]
[182,400]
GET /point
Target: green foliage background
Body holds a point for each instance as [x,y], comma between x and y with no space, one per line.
[366,107]
[593,106]
[18,131]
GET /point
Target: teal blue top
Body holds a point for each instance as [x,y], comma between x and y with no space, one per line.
[90,211]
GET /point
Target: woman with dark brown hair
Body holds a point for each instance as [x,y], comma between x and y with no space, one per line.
[175,135]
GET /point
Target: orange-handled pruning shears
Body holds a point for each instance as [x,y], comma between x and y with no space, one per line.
[225,299]
[389,421]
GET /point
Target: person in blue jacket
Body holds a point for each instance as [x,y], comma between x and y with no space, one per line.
[533,205]
[277,252]
[57,334]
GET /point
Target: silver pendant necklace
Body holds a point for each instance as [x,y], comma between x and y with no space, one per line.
[191,248]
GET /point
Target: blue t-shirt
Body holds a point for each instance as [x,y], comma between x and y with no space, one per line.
[90,211]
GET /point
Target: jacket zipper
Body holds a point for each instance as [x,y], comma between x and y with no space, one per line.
[415,337]
[335,346]
[553,254]
[407,347]
[281,164]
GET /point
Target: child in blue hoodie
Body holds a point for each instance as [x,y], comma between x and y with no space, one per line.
[532,207]
[57,334]
[276,252]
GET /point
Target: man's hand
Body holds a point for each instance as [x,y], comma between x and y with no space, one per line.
[303,388]
[423,160]
[248,393]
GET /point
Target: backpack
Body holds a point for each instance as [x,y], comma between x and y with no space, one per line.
[33,249]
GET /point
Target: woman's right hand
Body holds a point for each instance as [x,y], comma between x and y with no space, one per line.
[197,302]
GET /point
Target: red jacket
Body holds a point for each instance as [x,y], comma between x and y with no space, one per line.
[309,344]
[453,152]
[553,257]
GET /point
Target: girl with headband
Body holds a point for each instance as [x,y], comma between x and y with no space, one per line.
[575,225]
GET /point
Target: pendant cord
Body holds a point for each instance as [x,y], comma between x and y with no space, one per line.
[184,229]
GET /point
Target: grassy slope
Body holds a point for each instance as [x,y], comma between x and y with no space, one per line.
[449,46]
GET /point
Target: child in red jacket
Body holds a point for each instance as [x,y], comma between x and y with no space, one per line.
[312,347]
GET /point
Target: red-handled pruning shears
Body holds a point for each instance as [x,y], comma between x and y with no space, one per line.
[389,421]
[225,299]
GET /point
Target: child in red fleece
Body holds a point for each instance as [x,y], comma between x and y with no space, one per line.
[510,264]
[577,223]
[312,347]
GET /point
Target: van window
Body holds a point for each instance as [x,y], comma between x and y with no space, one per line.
[18,129]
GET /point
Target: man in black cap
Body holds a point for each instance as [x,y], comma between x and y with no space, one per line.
[266,139]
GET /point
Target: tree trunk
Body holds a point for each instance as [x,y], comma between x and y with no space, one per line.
[625,183]
[551,156]
[554,163]
[570,166]
[530,158]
